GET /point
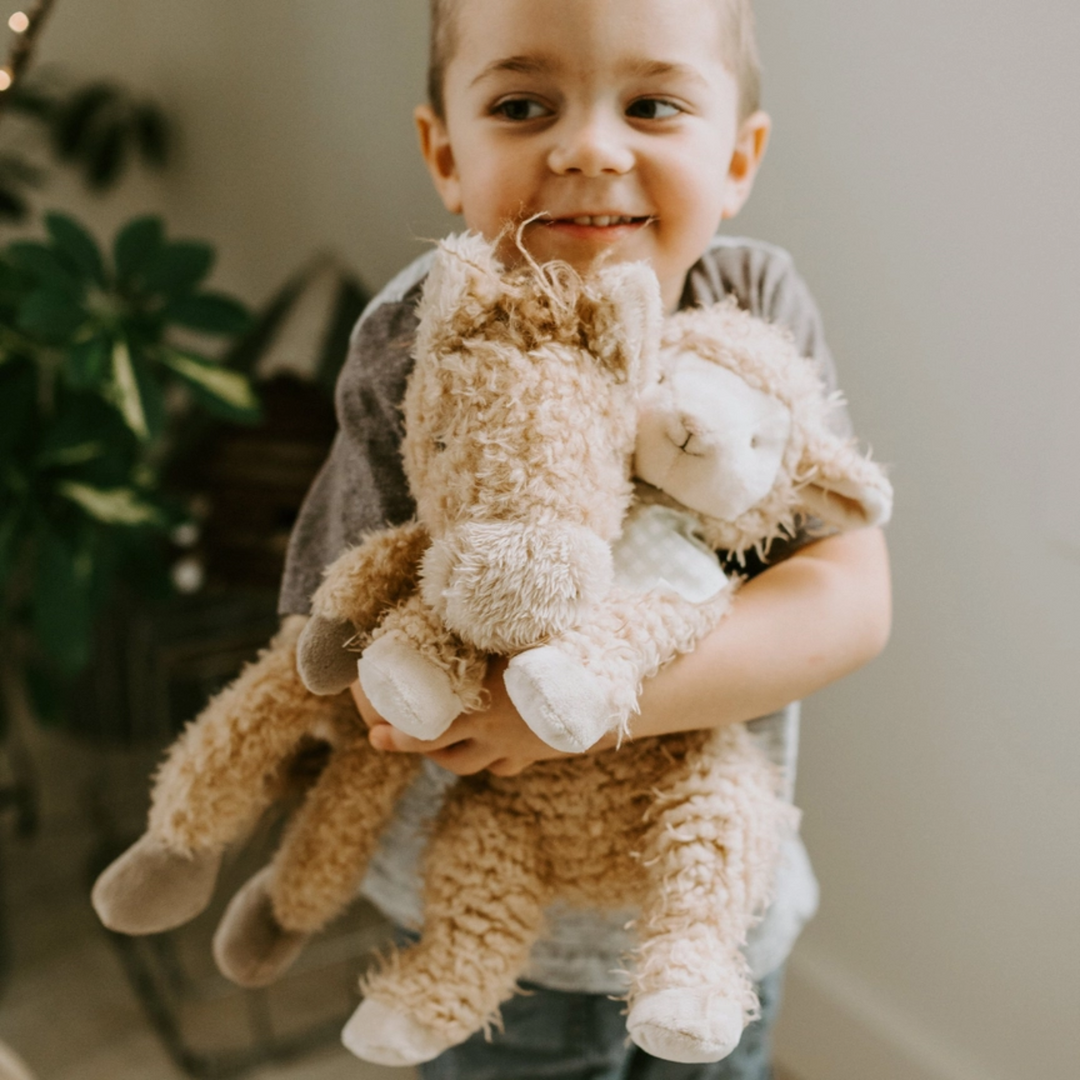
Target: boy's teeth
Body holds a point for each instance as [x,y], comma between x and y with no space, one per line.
[602,221]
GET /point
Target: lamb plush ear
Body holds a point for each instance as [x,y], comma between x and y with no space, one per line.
[465,268]
[623,325]
[847,490]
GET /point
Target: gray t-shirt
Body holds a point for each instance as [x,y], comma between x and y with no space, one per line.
[362,487]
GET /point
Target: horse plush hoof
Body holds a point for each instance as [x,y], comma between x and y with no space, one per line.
[251,948]
[692,1026]
[152,888]
[380,1034]
[325,664]
[407,689]
[560,699]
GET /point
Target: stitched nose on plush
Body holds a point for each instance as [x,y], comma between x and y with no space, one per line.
[504,586]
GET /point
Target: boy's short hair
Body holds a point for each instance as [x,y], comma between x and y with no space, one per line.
[739,42]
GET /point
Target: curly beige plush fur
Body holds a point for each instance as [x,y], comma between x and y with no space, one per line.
[521,423]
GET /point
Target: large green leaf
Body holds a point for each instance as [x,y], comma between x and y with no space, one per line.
[88,441]
[48,267]
[12,519]
[136,246]
[108,154]
[125,391]
[178,267]
[113,506]
[62,597]
[77,245]
[77,120]
[88,364]
[13,206]
[228,393]
[152,134]
[18,403]
[52,313]
[72,455]
[209,313]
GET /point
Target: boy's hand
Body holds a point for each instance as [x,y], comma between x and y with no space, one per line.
[496,739]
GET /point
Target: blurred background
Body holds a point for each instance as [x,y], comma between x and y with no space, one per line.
[923,173]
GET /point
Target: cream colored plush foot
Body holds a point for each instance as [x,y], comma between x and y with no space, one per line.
[407,689]
[151,888]
[686,1025]
[251,948]
[378,1033]
[561,700]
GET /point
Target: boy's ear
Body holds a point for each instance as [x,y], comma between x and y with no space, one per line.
[750,145]
[438,156]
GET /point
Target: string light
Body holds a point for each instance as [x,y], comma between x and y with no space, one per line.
[19,22]
[5,79]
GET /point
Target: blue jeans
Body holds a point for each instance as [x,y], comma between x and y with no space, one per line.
[554,1035]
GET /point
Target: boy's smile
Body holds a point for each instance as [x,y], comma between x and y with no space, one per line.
[616,121]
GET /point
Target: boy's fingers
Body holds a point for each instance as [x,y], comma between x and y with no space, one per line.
[464,758]
[384,736]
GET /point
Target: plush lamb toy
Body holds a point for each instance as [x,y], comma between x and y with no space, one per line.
[698,856]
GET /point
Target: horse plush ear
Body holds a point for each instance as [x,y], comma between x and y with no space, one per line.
[846,489]
[465,279]
[622,315]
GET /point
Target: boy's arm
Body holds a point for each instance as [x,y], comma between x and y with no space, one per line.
[798,626]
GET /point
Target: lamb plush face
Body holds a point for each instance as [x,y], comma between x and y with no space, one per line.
[708,439]
[737,429]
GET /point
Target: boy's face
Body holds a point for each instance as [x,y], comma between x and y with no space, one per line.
[616,119]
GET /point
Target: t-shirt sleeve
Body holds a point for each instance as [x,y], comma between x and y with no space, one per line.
[361,486]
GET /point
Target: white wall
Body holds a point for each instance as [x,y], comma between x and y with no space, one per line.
[295,124]
[924,172]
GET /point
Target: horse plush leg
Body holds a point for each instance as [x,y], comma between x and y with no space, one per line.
[318,868]
[585,683]
[219,776]
[358,588]
[710,854]
[484,903]
[418,675]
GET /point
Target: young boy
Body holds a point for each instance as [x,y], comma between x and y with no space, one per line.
[632,128]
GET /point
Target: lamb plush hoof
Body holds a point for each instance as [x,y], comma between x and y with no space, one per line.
[151,888]
[251,948]
[407,689]
[690,1026]
[561,700]
[380,1034]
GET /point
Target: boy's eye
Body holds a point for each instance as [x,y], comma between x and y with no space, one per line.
[652,109]
[520,109]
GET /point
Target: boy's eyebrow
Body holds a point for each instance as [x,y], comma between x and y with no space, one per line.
[539,64]
[522,65]
[644,68]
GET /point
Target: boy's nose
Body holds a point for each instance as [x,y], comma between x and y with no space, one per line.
[590,147]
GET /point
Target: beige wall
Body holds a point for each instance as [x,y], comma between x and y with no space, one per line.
[924,172]
[295,122]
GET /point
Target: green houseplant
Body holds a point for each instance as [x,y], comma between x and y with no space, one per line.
[97,367]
